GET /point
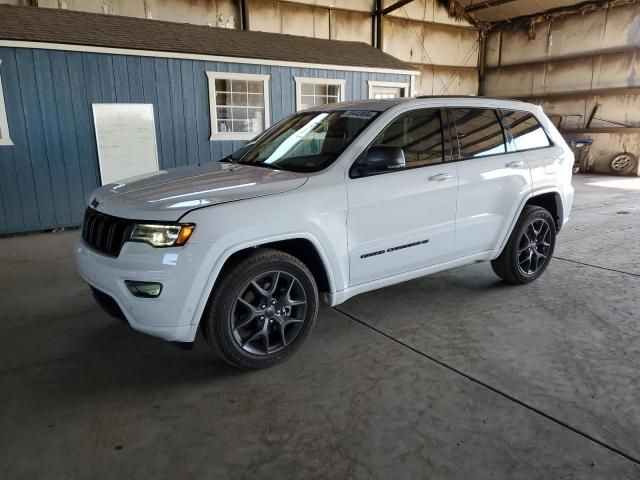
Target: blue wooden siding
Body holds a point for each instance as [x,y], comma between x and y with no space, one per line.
[52,168]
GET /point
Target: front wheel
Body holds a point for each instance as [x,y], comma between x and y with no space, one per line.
[262,310]
[529,248]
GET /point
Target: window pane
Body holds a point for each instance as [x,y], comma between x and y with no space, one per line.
[419,134]
[240,126]
[321,100]
[255,87]
[256,100]
[223,85]
[238,86]
[478,131]
[306,101]
[333,90]
[320,89]
[224,126]
[223,99]
[525,129]
[223,113]
[239,99]
[306,89]
[240,114]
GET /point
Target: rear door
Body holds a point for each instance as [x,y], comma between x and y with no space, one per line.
[492,181]
[404,219]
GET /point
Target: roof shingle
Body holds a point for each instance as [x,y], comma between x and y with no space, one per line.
[98,30]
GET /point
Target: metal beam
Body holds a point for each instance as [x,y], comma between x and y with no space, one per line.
[329,8]
[566,58]
[391,8]
[244,14]
[431,23]
[624,130]
[379,19]
[445,67]
[487,4]
[597,92]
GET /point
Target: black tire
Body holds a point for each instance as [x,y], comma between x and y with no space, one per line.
[222,320]
[511,265]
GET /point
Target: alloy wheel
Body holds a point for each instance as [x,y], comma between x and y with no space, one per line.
[534,247]
[269,312]
[621,162]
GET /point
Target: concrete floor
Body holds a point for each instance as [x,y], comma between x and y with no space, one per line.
[452,376]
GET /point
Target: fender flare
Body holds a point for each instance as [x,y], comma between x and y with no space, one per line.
[523,203]
[232,249]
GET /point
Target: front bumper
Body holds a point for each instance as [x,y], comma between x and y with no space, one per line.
[171,315]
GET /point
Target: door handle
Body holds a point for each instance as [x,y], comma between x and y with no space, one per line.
[514,164]
[440,177]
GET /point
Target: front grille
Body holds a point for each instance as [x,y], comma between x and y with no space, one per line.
[105,233]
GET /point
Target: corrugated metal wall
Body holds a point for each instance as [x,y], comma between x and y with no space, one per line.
[571,64]
[46,177]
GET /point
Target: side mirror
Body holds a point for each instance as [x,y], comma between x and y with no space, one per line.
[381,158]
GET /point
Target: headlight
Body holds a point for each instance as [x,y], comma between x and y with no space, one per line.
[162,235]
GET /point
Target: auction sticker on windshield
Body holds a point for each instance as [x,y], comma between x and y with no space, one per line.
[365,114]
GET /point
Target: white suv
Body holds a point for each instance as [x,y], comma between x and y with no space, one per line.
[328,203]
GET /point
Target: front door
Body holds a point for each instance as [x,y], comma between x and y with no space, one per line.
[404,219]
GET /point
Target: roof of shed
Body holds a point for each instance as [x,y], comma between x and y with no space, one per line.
[99,30]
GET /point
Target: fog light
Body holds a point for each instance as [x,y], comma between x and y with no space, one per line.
[144,289]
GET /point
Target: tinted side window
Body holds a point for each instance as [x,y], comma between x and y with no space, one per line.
[419,133]
[478,131]
[525,130]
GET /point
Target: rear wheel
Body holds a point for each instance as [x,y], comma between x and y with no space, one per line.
[262,310]
[529,248]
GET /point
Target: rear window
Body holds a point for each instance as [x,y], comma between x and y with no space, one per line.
[526,131]
[478,132]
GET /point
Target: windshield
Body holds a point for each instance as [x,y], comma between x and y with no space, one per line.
[306,142]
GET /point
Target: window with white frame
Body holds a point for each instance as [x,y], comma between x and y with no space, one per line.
[311,92]
[4,125]
[239,105]
[385,90]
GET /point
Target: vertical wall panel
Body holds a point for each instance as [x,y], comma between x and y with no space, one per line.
[134,79]
[50,126]
[121,79]
[177,112]
[83,119]
[165,113]
[203,123]
[67,134]
[189,114]
[150,95]
[15,165]
[107,80]
[35,136]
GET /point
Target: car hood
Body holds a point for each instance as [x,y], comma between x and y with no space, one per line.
[169,194]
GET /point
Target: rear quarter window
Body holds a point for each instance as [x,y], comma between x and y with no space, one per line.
[526,131]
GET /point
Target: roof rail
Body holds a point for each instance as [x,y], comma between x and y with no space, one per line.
[469,96]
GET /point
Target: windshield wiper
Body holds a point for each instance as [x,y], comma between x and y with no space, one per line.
[264,165]
[229,159]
